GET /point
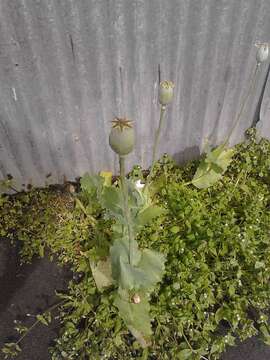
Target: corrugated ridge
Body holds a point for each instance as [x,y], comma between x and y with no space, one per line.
[68,67]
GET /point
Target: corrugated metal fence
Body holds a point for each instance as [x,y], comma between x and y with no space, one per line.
[67,67]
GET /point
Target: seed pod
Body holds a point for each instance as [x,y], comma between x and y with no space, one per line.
[136,299]
[165,92]
[122,136]
[262,52]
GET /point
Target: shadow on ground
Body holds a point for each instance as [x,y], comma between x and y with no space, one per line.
[28,289]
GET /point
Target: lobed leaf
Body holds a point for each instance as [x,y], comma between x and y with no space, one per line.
[212,167]
[102,273]
[136,317]
[91,184]
[148,214]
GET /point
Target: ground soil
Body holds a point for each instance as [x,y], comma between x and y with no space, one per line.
[30,289]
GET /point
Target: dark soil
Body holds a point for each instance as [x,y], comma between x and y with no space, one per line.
[252,349]
[30,289]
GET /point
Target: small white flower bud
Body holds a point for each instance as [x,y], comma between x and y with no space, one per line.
[139,185]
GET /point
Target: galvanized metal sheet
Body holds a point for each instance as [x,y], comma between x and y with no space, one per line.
[264,123]
[68,67]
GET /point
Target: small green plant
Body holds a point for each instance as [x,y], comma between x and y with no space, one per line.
[215,162]
[12,349]
[7,185]
[135,272]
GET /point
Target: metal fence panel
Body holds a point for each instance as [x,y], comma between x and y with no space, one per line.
[264,123]
[68,67]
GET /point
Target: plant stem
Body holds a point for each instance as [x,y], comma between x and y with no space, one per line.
[122,170]
[13,188]
[249,92]
[250,89]
[238,179]
[81,206]
[191,348]
[186,340]
[157,136]
[38,321]
[203,357]
[126,207]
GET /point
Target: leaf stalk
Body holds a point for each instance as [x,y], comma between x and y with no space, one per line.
[249,92]
[126,208]
[156,142]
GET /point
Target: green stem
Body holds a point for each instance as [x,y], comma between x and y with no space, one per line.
[237,180]
[250,89]
[191,348]
[157,136]
[186,340]
[38,321]
[81,206]
[122,170]
[249,92]
[126,207]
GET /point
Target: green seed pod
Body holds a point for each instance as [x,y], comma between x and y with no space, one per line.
[122,136]
[262,52]
[165,92]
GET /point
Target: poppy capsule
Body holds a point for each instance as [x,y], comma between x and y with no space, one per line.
[262,53]
[122,137]
[165,92]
